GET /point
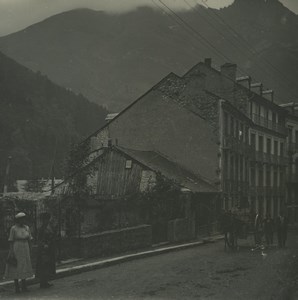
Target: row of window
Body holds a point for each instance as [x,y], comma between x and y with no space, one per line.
[292,134]
[259,111]
[235,128]
[261,204]
[267,205]
[235,167]
[271,178]
[266,145]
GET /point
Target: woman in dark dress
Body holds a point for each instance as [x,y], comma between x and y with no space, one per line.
[46,255]
[268,230]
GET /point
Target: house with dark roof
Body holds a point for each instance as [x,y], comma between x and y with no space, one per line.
[121,171]
[119,174]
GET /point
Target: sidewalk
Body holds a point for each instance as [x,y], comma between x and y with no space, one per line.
[73,267]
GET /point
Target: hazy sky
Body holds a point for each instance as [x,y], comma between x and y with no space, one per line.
[18,14]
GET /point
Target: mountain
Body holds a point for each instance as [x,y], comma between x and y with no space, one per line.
[114,58]
[38,121]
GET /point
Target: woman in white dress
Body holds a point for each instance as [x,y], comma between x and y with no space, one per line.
[20,245]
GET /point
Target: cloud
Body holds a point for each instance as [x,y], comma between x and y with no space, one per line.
[291,4]
[18,14]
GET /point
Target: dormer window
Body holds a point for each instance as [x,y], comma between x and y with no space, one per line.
[128,164]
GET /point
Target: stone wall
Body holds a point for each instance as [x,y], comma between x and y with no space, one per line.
[96,245]
[116,241]
[180,230]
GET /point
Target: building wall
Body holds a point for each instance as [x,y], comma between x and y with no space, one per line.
[115,176]
[222,83]
[235,158]
[268,172]
[292,172]
[148,180]
[158,123]
[267,169]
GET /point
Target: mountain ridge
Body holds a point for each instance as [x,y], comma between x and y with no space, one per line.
[38,122]
[114,58]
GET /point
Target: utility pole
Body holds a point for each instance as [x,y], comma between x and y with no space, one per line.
[6,178]
[52,173]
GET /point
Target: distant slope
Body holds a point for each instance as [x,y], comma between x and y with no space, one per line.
[112,59]
[35,116]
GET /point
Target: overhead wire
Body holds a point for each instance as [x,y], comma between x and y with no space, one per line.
[212,25]
[238,48]
[223,34]
[247,45]
[198,35]
[176,21]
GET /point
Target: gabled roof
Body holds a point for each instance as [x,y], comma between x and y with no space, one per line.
[170,75]
[171,170]
[253,96]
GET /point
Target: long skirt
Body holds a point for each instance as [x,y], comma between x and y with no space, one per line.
[46,265]
[23,269]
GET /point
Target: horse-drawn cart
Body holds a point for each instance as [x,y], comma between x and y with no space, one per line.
[236,224]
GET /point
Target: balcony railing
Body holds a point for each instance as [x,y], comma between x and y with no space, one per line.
[261,121]
[269,191]
[261,157]
[267,158]
[293,179]
[283,160]
[233,143]
[233,186]
[266,191]
[293,147]
[261,190]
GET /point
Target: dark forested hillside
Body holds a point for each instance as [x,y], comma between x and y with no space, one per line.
[114,58]
[37,119]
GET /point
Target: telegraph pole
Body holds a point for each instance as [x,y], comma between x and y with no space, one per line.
[6,178]
[52,173]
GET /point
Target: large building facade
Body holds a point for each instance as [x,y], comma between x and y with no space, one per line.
[292,152]
[222,128]
[254,156]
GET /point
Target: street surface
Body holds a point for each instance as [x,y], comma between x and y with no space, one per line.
[204,272]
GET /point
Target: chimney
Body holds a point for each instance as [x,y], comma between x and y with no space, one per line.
[208,62]
[270,93]
[257,85]
[229,70]
[244,80]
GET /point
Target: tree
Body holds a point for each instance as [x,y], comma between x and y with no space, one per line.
[77,172]
[163,201]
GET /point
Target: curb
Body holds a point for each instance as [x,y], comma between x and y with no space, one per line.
[68,271]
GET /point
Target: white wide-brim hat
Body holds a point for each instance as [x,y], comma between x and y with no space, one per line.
[20,215]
